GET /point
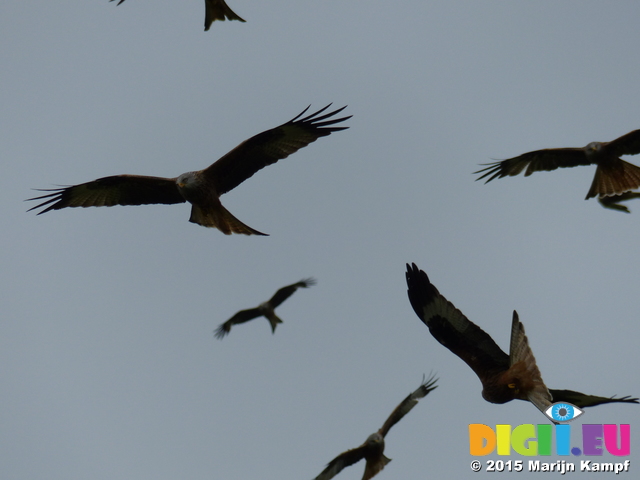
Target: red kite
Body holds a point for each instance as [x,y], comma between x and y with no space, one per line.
[613,176]
[204,187]
[214,10]
[612,202]
[266,309]
[372,450]
[504,377]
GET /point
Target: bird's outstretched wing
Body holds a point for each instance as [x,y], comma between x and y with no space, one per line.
[522,360]
[240,317]
[115,190]
[408,403]
[539,160]
[218,10]
[452,329]
[627,144]
[343,460]
[583,400]
[613,202]
[270,146]
[285,292]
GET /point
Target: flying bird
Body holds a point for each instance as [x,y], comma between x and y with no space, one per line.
[612,202]
[504,377]
[372,450]
[204,187]
[613,176]
[266,309]
[214,10]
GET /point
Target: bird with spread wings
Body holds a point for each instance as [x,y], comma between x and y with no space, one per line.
[613,202]
[202,188]
[504,377]
[372,450]
[214,10]
[613,175]
[266,309]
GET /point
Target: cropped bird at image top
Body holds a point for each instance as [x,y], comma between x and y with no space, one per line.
[613,175]
[214,10]
[202,188]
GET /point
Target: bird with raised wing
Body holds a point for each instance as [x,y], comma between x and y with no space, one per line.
[266,309]
[372,450]
[214,10]
[201,188]
[503,377]
[613,175]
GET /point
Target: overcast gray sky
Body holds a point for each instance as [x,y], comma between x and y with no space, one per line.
[110,369]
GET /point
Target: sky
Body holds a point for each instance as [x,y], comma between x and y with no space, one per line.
[110,369]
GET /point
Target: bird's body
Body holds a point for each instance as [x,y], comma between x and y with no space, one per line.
[613,175]
[265,309]
[214,10]
[503,377]
[201,188]
[372,450]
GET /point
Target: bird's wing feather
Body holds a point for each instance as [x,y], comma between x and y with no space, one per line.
[343,460]
[539,160]
[268,147]
[241,317]
[285,292]
[628,144]
[115,190]
[452,329]
[583,400]
[520,353]
[218,10]
[408,403]
[244,316]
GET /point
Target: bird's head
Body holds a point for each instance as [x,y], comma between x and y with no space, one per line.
[593,147]
[375,439]
[186,180]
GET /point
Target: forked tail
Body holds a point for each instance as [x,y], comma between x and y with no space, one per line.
[614,179]
[220,218]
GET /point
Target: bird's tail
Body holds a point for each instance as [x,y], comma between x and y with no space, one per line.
[374,467]
[220,218]
[524,367]
[609,180]
[274,320]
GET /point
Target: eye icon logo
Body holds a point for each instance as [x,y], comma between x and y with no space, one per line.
[563,412]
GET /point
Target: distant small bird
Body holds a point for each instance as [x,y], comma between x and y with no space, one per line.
[266,309]
[202,188]
[504,377]
[612,201]
[214,10]
[613,176]
[372,450]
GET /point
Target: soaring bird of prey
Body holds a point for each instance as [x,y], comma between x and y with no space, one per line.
[613,176]
[204,187]
[504,377]
[372,450]
[266,309]
[214,10]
